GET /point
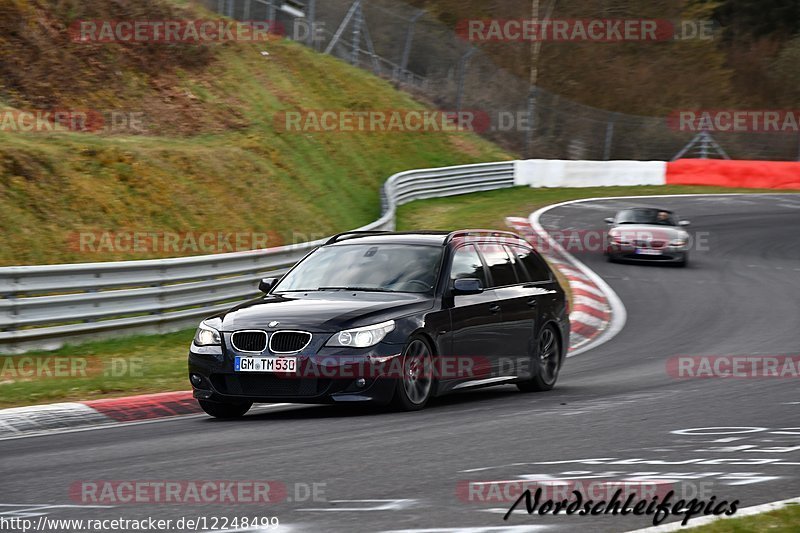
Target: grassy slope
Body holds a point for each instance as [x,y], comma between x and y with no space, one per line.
[163,358]
[209,161]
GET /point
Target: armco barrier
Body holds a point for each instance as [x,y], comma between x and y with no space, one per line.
[749,174]
[44,306]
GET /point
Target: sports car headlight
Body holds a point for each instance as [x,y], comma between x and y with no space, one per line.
[207,336]
[362,337]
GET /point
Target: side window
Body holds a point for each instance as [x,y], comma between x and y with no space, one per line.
[467,264]
[519,268]
[500,265]
[535,265]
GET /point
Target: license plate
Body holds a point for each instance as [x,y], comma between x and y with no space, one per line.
[646,251]
[265,364]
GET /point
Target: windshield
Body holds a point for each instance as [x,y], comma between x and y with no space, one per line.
[646,216]
[367,267]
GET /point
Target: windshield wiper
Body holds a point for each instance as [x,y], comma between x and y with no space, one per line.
[361,289]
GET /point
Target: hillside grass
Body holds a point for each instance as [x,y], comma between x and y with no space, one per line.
[210,157]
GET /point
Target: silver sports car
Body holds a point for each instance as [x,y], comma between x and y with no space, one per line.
[648,234]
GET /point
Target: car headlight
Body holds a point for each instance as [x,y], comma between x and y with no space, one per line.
[207,336]
[678,242]
[362,337]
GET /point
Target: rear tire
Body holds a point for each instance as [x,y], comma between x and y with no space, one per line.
[416,385]
[548,360]
[224,410]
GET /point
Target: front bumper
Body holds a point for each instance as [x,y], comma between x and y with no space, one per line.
[331,375]
[666,254]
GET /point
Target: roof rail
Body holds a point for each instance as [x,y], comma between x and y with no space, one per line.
[342,236]
[482,233]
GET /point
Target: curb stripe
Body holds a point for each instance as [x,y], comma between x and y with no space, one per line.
[589,288]
[146,407]
[591,311]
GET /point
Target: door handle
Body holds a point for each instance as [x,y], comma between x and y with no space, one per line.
[494,308]
[533,302]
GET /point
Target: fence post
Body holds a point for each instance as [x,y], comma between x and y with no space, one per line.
[409,39]
[342,26]
[357,22]
[246,14]
[230,8]
[462,74]
[311,16]
[531,122]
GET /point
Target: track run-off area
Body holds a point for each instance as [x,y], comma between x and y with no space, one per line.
[620,411]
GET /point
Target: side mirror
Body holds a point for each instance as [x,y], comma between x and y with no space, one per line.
[609,220]
[684,223]
[466,286]
[266,284]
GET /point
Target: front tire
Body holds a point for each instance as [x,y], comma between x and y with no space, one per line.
[415,386]
[548,360]
[224,410]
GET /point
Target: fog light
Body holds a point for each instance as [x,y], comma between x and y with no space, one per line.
[360,382]
[196,379]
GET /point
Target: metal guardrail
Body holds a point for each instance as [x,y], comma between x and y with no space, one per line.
[47,305]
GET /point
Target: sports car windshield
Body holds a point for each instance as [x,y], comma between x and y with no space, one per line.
[646,216]
[367,267]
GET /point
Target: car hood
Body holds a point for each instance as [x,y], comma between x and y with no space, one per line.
[649,231]
[320,312]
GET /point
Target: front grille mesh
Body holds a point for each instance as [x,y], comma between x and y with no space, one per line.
[289,341]
[249,341]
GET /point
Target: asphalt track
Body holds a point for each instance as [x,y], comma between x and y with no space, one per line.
[614,415]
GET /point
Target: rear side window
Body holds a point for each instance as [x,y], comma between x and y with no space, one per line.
[535,266]
[500,266]
[519,268]
[467,264]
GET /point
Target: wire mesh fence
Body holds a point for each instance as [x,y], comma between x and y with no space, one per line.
[420,54]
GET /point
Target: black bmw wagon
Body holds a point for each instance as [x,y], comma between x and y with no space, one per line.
[388,318]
